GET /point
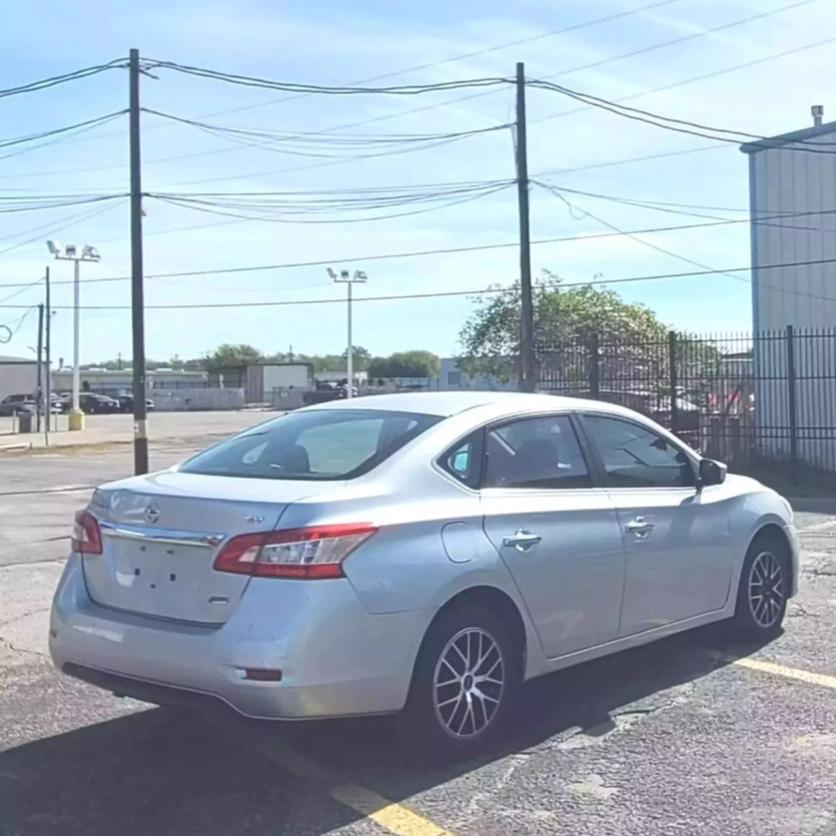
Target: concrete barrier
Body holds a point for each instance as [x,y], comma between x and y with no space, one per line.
[183,400]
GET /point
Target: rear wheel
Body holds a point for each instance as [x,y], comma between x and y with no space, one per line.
[762,593]
[467,672]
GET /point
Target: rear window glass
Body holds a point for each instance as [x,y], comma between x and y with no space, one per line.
[316,444]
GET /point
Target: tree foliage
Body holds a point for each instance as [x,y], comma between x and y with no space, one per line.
[570,316]
[405,364]
[227,354]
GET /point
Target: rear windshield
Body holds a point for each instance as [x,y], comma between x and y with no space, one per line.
[317,444]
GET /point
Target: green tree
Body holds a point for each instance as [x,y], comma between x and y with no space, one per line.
[564,323]
[405,364]
[231,355]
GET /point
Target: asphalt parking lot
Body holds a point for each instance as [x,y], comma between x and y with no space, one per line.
[685,736]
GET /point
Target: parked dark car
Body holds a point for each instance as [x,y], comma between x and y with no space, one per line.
[17,403]
[126,403]
[92,403]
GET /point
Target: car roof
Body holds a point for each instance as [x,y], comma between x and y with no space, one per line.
[448,403]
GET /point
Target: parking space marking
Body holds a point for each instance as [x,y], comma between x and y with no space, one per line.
[824,680]
[389,815]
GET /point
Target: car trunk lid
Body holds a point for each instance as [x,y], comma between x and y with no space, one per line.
[160,537]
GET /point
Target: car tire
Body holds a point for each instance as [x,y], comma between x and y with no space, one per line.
[451,712]
[762,591]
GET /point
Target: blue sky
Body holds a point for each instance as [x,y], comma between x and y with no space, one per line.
[337,43]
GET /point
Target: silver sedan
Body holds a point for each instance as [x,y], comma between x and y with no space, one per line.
[421,554]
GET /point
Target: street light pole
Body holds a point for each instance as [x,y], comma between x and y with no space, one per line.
[345,277]
[76,336]
[70,253]
[349,357]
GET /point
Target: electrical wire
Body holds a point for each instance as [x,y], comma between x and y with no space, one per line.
[52,229]
[633,237]
[53,81]
[578,68]
[679,125]
[233,210]
[452,293]
[96,123]
[416,253]
[34,205]
[693,79]
[298,87]
[465,55]
[19,140]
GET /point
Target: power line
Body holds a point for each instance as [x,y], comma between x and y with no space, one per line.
[427,252]
[677,125]
[465,55]
[472,292]
[91,125]
[52,81]
[299,87]
[443,202]
[19,140]
[51,229]
[693,79]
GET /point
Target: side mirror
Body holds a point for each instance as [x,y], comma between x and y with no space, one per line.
[711,473]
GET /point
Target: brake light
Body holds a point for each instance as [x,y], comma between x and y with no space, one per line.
[87,536]
[303,553]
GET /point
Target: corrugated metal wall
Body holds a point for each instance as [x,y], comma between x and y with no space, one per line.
[793,212]
[784,181]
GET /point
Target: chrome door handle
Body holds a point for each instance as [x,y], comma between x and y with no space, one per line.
[522,540]
[640,527]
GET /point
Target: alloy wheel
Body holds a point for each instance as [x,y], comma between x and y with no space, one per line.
[766,589]
[469,683]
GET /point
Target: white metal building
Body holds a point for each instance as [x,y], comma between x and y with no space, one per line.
[792,199]
[18,376]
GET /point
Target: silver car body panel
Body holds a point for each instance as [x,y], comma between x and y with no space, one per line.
[347,646]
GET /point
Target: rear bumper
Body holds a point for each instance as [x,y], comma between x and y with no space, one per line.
[336,658]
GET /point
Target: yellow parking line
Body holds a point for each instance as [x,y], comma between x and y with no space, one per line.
[809,677]
[388,814]
[393,817]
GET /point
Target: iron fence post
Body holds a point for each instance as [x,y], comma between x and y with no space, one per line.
[594,366]
[791,400]
[674,395]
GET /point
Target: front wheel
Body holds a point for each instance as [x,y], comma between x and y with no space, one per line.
[467,673]
[762,593]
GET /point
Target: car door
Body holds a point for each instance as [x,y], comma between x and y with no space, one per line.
[677,559]
[557,532]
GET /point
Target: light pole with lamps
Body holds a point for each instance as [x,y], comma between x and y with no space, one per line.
[70,253]
[346,278]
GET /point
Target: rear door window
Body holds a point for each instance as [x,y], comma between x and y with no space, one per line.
[313,445]
[535,453]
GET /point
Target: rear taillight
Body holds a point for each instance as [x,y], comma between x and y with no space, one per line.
[87,536]
[305,553]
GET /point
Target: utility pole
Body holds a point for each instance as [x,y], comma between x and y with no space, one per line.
[48,386]
[528,381]
[137,302]
[39,403]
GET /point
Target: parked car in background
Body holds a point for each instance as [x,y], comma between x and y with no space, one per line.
[91,403]
[12,404]
[421,554]
[126,403]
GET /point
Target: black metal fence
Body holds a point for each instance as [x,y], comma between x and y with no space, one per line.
[740,398]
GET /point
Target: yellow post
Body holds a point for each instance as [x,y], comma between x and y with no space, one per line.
[76,419]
